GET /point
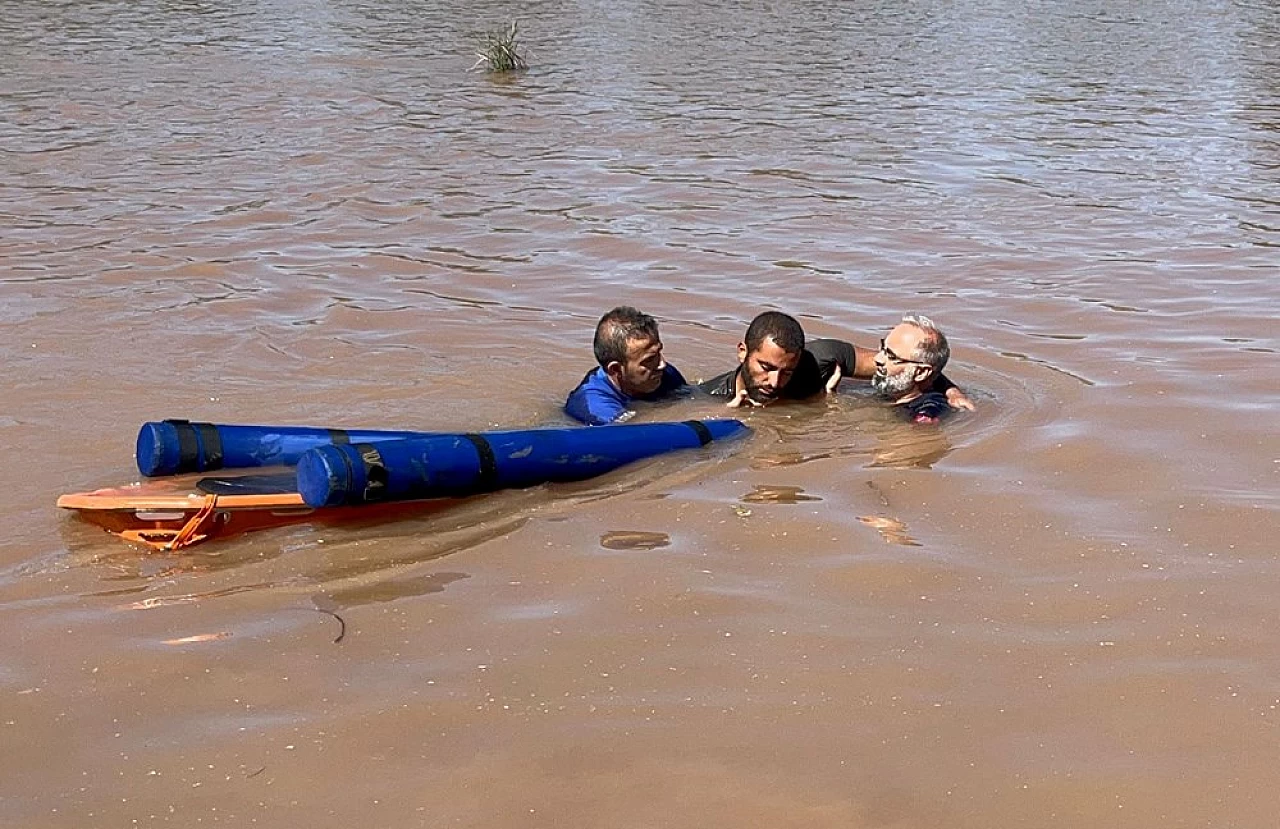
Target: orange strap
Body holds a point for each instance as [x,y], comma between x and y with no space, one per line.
[169,540]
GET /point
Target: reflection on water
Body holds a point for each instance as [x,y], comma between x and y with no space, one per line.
[891,530]
[633,540]
[789,458]
[1013,355]
[385,590]
[856,428]
[911,445]
[170,600]
[199,638]
[778,494]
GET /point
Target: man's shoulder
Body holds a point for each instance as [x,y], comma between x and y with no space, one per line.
[929,407]
[829,351]
[807,378]
[593,380]
[818,364]
[672,380]
[722,385]
[595,400]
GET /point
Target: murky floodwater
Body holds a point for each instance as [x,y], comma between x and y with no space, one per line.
[1058,611]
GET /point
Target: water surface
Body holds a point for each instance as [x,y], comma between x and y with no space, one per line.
[1057,611]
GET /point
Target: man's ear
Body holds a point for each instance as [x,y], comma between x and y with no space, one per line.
[924,374]
[614,371]
[742,352]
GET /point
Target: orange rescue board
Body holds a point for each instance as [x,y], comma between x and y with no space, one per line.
[172,514]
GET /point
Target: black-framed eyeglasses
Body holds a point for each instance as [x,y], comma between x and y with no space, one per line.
[895,358]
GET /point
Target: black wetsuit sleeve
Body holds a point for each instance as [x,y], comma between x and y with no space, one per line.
[832,353]
[817,365]
[722,385]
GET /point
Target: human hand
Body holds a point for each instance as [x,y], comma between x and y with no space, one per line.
[835,379]
[741,399]
[959,400]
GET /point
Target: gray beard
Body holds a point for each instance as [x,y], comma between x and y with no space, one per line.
[892,387]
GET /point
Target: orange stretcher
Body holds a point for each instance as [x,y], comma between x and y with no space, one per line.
[172,514]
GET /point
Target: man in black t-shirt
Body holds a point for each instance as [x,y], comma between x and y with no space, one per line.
[772,365]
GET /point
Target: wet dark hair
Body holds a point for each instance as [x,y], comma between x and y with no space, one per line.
[779,327]
[616,328]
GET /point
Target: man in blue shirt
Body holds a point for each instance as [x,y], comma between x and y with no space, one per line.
[629,352]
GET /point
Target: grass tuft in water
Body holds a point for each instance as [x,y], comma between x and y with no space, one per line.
[500,51]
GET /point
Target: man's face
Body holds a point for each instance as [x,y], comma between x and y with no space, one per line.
[767,370]
[642,372]
[896,372]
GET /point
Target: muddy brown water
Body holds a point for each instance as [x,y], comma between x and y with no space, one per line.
[1059,611]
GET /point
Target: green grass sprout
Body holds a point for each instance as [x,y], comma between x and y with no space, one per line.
[500,51]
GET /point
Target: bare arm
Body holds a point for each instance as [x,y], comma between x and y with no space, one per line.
[864,364]
[956,398]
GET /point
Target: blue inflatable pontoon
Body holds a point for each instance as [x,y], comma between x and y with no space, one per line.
[444,465]
[171,447]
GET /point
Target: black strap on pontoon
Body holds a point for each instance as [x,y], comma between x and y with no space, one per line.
[188,447]
[375,472]
[192,437]
[338,437]
[701,430]
[212,443]
[488,477]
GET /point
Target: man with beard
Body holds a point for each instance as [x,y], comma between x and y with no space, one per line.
[629,351]
[909,369]
[775,363]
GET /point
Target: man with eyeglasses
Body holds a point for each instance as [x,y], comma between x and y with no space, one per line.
[909,367]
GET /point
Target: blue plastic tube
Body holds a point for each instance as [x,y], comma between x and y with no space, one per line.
[454,465]
[169,447]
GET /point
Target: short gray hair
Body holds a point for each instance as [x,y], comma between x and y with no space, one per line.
[933,350]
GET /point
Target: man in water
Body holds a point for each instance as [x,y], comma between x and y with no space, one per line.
[775,363]
[629,351]
[908,367]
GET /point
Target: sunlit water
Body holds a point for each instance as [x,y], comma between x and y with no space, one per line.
[1057,611]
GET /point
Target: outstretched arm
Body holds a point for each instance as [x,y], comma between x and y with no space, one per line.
[837,359]
[864,364]
[843,359]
